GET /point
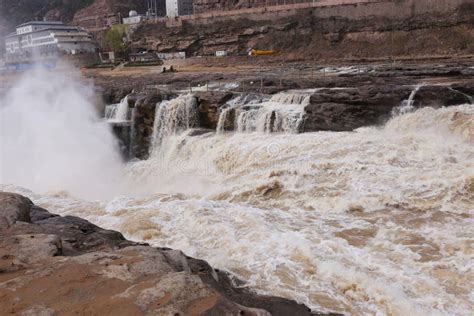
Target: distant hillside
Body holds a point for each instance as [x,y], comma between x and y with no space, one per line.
[14,12]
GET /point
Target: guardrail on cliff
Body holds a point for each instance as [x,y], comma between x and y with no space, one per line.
[268,6]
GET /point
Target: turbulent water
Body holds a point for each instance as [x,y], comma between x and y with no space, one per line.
[51,138]
[118,112]
[174,116]
[282,113]
[376,221]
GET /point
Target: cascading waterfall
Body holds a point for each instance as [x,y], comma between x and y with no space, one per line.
[228,113]
[174,116]
[407,106]
[223,119]
[282,113]
[291,98]
[118,112]
[110,111]
[247,120]
[122,110]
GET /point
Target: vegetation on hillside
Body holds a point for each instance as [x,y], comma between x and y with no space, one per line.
[114,38]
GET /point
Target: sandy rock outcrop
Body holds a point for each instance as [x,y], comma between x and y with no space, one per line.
[55,265]
[375,29]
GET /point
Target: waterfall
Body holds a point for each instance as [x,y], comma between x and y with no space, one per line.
[407,106]
[122,110]
[118,112]
[227,118]
[283,112]
[110,111]
[247,120]
[291,98]
[224,117]
[174,116]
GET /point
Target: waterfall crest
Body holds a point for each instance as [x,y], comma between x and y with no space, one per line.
[174,116]
[283,112]
[118,112]
[407,106]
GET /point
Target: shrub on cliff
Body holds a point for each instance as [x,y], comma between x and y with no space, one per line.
[115,38]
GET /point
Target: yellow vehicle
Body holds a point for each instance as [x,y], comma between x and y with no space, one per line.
[256,52]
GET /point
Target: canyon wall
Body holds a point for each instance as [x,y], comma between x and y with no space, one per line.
[352,29]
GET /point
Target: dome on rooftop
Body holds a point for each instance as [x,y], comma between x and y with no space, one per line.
[132,13]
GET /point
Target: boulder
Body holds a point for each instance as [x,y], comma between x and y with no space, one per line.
[438,96]
[13,208]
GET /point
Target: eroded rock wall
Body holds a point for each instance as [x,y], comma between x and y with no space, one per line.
[404,28]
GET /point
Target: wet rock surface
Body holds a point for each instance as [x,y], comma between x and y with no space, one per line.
[344,96]
[122,131]
[209,104]
[54,265]
[143,116]
[348,109]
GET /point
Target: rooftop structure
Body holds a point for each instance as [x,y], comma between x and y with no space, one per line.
[179,7]
[41,41]
[134,18]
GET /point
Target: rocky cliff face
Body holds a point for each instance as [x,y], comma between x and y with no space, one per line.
[392,29]
[102,14]
[55,265]
[341,109]
[216,5]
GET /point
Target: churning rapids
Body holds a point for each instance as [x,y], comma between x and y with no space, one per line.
[376,221]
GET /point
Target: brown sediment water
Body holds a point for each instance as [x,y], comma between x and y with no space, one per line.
[375,221]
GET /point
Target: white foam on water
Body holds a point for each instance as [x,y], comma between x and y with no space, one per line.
[174,116]
[282,113]
[119,112]
[376,221]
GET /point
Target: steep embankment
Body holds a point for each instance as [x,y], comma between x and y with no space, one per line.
[361,30]
[80,268]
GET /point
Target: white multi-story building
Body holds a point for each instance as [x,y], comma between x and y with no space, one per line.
[44,41]
[179,7]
